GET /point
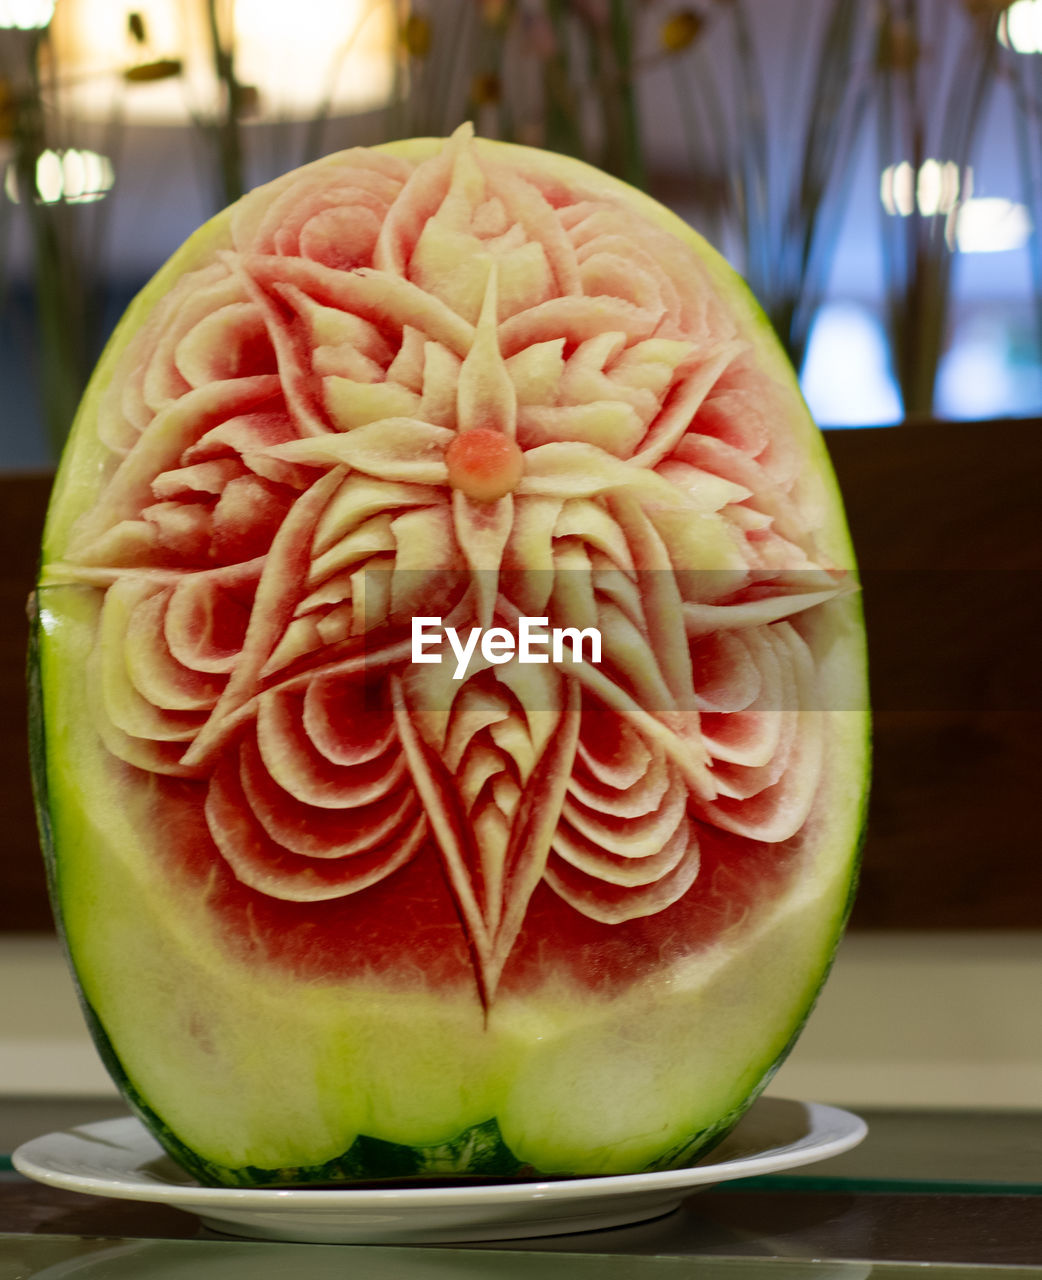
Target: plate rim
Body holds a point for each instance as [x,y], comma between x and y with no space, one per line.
[844,1128]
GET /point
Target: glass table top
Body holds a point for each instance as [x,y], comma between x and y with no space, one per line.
[938,1193]
[62,1258]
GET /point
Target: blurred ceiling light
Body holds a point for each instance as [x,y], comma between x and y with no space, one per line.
[935,189]
[295,56]
[991,225]
[1020,26]
[288,50]
[25,15]
[68,177]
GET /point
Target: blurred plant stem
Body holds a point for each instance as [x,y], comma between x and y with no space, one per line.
[66,293]
[781,163]
[225,129]
[614,44]
[316,124]
[563,70]
[931,96]
[562,119]
[436,44]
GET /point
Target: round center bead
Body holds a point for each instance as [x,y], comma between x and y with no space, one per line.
[484,464]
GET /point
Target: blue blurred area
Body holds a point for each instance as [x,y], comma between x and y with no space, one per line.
[23,439]
[992,368]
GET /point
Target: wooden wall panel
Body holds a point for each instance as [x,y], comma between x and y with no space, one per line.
[23,894]
[946,520]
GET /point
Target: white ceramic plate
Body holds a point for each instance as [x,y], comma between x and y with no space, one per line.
[119,1158]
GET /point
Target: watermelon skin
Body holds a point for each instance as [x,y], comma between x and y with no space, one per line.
[273,1041]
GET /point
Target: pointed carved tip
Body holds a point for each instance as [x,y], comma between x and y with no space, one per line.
[488,320]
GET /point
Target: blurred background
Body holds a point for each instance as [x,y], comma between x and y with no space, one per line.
[873,169]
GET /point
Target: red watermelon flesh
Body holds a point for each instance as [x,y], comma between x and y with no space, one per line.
[474,382]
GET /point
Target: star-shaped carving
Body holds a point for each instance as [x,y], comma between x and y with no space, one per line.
[455,388]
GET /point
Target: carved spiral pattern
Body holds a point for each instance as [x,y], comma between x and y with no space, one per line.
[282,500]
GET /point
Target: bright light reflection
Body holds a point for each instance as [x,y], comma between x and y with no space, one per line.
[25,15]
[1020,27]
[94,45]
[296,55]
[49,183]
[935,189]
[72,177]
[992,225]
[295,52]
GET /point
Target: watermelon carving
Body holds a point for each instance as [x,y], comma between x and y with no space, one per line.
[336,913]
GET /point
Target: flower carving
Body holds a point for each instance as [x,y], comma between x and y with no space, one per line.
[455,387]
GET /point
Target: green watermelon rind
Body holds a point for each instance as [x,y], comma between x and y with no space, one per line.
[478,1154]
[479,1151]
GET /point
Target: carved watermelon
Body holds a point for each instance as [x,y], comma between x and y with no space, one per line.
[336,913]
